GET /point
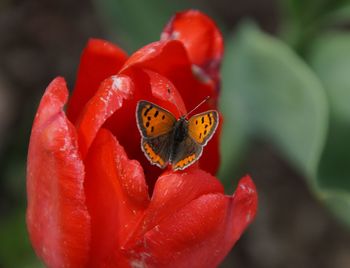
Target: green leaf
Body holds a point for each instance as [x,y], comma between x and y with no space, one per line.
[330,59]
[279,98]
[303,20]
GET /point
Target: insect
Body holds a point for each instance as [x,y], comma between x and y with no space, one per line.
[167,140]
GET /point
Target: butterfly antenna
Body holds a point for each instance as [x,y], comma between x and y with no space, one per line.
[195,108]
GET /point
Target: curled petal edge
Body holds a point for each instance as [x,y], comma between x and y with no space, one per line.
[100,59]
[57,218]
[201,233]
[202,39]
[109,98]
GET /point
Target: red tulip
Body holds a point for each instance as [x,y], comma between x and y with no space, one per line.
[94,200]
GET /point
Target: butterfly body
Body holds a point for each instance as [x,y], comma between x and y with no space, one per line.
[179,133]
[167,140]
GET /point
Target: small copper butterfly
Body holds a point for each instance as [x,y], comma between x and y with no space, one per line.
[167,140]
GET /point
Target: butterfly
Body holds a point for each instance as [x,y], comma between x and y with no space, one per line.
[167,140]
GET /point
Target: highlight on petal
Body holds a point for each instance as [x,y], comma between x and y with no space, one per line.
[173,191]
[166,93]
[109,98]
[241,210]
[198,234]
[161,56]
[116,193]
[100,59]
[202,39]
[183,238]
[57,217]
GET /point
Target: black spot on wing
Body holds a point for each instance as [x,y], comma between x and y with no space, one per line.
[210,120]
[156,113]
[147,110]
[202,119]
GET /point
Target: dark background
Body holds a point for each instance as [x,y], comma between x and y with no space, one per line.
[40,40]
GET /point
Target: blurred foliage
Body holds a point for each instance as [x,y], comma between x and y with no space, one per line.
[282,99]
[16,248]
[330,58]
[278,97]
[286,102]
[304,20]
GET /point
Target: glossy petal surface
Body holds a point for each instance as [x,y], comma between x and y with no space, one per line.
[173,191]
[57,217]
[198,233]
[116,198]
[202,40]
[100,59]
[110,96]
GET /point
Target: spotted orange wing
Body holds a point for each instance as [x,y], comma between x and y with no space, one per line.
[155,125]
[153,120]
[186,153]
[201,127]
[157,149]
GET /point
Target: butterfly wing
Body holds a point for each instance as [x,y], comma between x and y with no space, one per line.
[157,149]
[201,127]
[153,120]
[186,153]
[155,125]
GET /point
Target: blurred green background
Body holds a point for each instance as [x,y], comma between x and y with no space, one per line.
[285,98]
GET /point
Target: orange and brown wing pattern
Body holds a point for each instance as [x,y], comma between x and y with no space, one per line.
[201,127]
[153,120]
[157,149]
[186,153]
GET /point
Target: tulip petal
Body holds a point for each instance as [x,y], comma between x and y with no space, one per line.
[170,59]
[241,210]
[100,59]
[185,238]
[109,97]
[57,218]
[152,56]
[202,39]
[201,233]
[116,194]
[173,191]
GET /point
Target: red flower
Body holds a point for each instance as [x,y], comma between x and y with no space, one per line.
[89,204]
